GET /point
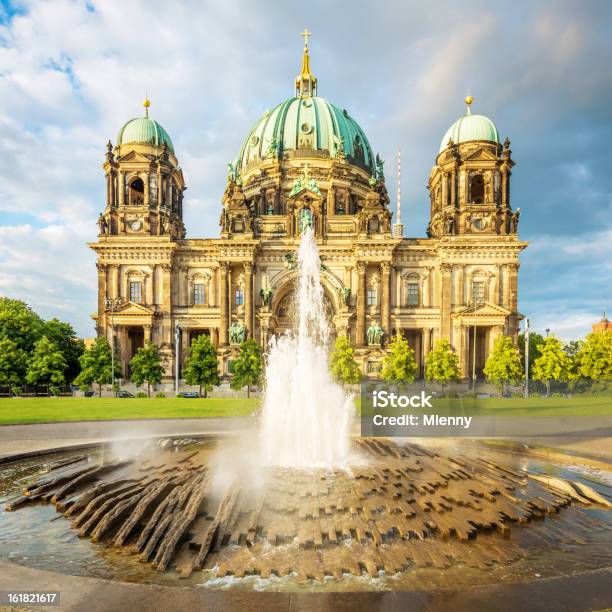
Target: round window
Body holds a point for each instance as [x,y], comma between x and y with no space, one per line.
[254,140]
[306,128]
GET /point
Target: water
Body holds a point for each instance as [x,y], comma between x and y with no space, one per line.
[306,415]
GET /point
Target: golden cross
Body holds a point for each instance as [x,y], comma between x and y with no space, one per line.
[306,34]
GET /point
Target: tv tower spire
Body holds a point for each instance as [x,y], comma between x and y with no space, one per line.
[398,228]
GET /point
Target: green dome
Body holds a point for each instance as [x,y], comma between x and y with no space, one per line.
[144,130]
[468,128]
[307,123]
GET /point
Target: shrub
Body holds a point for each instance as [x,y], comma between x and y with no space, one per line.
[141,394]
[17,390]
[179,395]
[160,394]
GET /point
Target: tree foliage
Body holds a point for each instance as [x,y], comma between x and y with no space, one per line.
[594,360]
[46,365]
[65,339]
[442,363]
[248,367]
[535,340]
[24,328]
[201,367]
[504,362]
[146,366]
[342,362]
[399,365]
[19,323]
[96,365]
[13,364]
[553,363]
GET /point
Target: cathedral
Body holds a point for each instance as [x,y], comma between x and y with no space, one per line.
[308,163]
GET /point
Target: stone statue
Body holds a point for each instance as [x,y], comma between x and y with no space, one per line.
[339,147]
[514,221]
[266,296]
[449,224]
[291,261]
[429,230]
[162,227]
[380,171]
[237,333]
[305,219]
[233,173]
[102,225]
[375,335]
[273,148]
[345,295]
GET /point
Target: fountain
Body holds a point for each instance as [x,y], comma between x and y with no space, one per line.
[306,416]
[316,504]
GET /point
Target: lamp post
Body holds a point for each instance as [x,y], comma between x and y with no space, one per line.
[527,357]
[177,337]
[547,331]
[110,304]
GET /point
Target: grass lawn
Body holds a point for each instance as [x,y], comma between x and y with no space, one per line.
[56,409]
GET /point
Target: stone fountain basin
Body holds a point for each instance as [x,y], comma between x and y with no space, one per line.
[558,557]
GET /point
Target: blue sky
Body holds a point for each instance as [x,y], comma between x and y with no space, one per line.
[71,73]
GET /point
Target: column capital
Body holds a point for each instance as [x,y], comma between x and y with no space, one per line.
[166,267]
[361,267]
[385,267]
[248,266]
[102,267]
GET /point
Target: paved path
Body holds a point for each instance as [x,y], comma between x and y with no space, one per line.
[27,438]
[576,593]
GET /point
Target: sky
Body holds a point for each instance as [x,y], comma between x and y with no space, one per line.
[72,72]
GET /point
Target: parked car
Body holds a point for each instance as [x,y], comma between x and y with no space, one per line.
[191,394]
[89,393]
[123,393]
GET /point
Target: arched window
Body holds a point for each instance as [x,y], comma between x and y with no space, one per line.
[137,192]
[477,190]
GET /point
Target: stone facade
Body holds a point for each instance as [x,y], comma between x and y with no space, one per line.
[459,283]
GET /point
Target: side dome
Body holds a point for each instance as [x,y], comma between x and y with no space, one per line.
[470,128]
[307,123]
[144,130]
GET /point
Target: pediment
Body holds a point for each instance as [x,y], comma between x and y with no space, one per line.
[315,195]
[480,154]
[134,156]
[133,309]
[484,310]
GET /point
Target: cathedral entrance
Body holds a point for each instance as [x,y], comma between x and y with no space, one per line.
[287,313]
[415,341]
[135,340]
[478,341]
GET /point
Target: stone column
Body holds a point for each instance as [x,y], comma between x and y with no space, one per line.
[121,188]
[361,304]
[146,328]
[184,343]
[223,312]
[426,342]
[248,298]
[385,297]
[460,348]
[513,286]
[445,300]
[166,336]
[460,285]
[102,281]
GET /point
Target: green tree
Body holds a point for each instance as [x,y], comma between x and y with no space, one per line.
[146,367]
[65,338]
[399,365]
[96,365]
[553,363]
[504,362]
[248,367]
[201,367]
[13,364]
[594,360]
[442,363]
[535,340]
[19,323]
[46,365]
[342,362]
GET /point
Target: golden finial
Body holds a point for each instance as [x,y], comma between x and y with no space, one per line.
[468,100]
[306,82]
[146,104]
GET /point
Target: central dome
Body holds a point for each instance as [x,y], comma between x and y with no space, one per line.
[307,123]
